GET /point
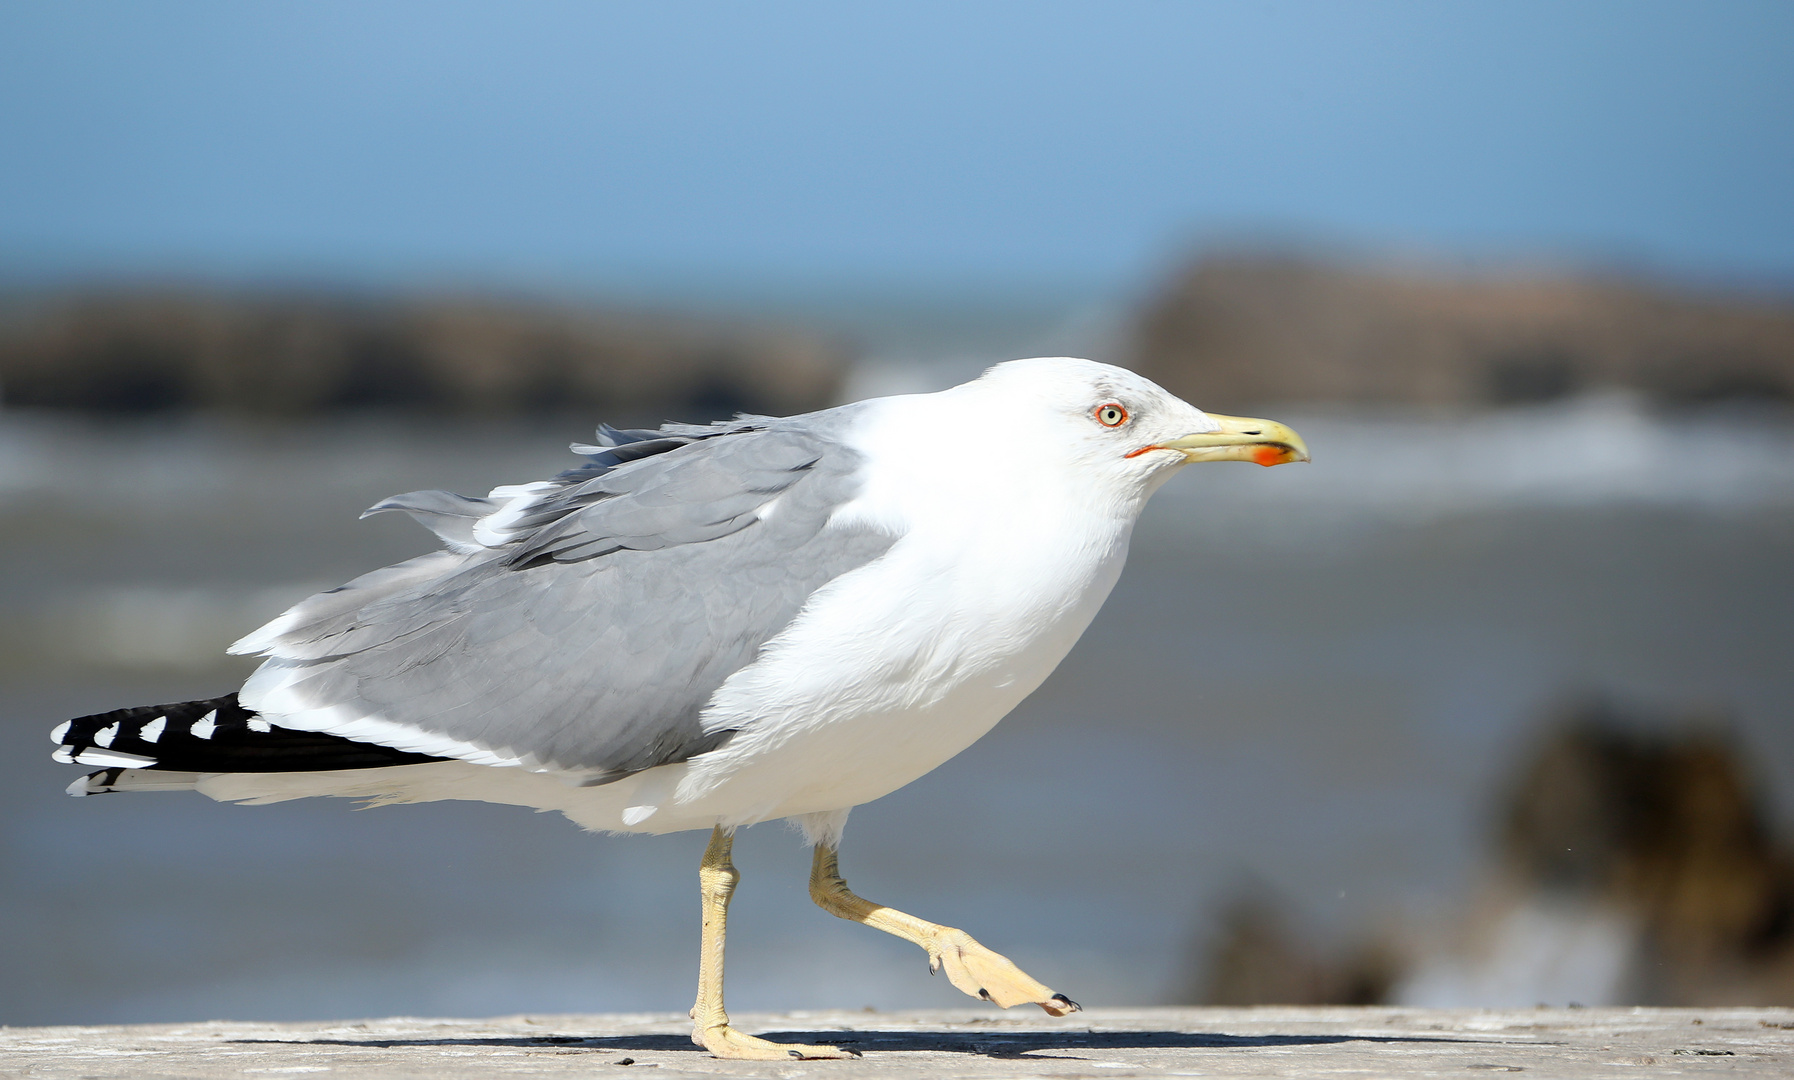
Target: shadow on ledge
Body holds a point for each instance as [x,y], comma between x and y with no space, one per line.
[989,1044]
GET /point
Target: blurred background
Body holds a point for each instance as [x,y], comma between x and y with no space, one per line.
[1492,704]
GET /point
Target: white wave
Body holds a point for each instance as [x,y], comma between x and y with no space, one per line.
[1588,452]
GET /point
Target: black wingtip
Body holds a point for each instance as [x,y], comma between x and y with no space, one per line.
[216,735]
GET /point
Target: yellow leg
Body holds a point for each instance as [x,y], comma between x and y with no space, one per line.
[970,966]
[710,1023]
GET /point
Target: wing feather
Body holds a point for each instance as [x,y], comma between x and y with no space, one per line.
[591,640]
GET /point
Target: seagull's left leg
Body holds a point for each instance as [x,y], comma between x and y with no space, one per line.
[710,1023]
[970,966]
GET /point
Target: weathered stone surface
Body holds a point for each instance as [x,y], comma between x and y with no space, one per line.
[1266,1041]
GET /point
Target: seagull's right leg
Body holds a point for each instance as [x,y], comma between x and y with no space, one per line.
[970,966]
[710,1023]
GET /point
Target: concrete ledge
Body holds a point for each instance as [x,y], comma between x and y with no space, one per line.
[1272,1041]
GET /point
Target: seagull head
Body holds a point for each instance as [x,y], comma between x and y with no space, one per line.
[1123,426]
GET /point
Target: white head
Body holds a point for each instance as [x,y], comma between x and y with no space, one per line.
[1049,438]
[1112,424]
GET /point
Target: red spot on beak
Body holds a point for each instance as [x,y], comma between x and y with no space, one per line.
[1270,455]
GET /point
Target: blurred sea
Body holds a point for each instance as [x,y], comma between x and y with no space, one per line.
[1311,680]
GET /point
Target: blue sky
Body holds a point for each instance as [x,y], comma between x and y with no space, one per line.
[952,145]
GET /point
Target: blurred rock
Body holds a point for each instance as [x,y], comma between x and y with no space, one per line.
[1242,329]
[146,351]
[1255,957]
[1636,866]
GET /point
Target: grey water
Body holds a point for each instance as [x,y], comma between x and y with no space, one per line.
[1310,681]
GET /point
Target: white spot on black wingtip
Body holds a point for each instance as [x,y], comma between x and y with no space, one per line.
[153,730]
[205,725]
[60,731]
[105,735]
[102,758]
[257,724]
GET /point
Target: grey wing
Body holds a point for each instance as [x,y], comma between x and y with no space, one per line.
[593,636]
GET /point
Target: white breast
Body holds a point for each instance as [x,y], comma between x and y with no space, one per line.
[895,667]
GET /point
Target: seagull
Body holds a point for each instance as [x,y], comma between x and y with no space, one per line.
[709,626]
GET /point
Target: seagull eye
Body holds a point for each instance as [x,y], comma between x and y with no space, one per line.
[1111,415]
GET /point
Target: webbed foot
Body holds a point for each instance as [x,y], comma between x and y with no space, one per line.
[990,975]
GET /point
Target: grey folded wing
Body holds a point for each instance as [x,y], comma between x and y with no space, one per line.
[622,594]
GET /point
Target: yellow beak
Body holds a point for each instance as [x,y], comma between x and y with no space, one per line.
[1241,438]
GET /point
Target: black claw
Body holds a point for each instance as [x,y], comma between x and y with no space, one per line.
[1069,1004]
[983,993]
[798,1054]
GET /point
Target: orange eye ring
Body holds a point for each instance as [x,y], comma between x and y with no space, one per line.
[1111,415]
